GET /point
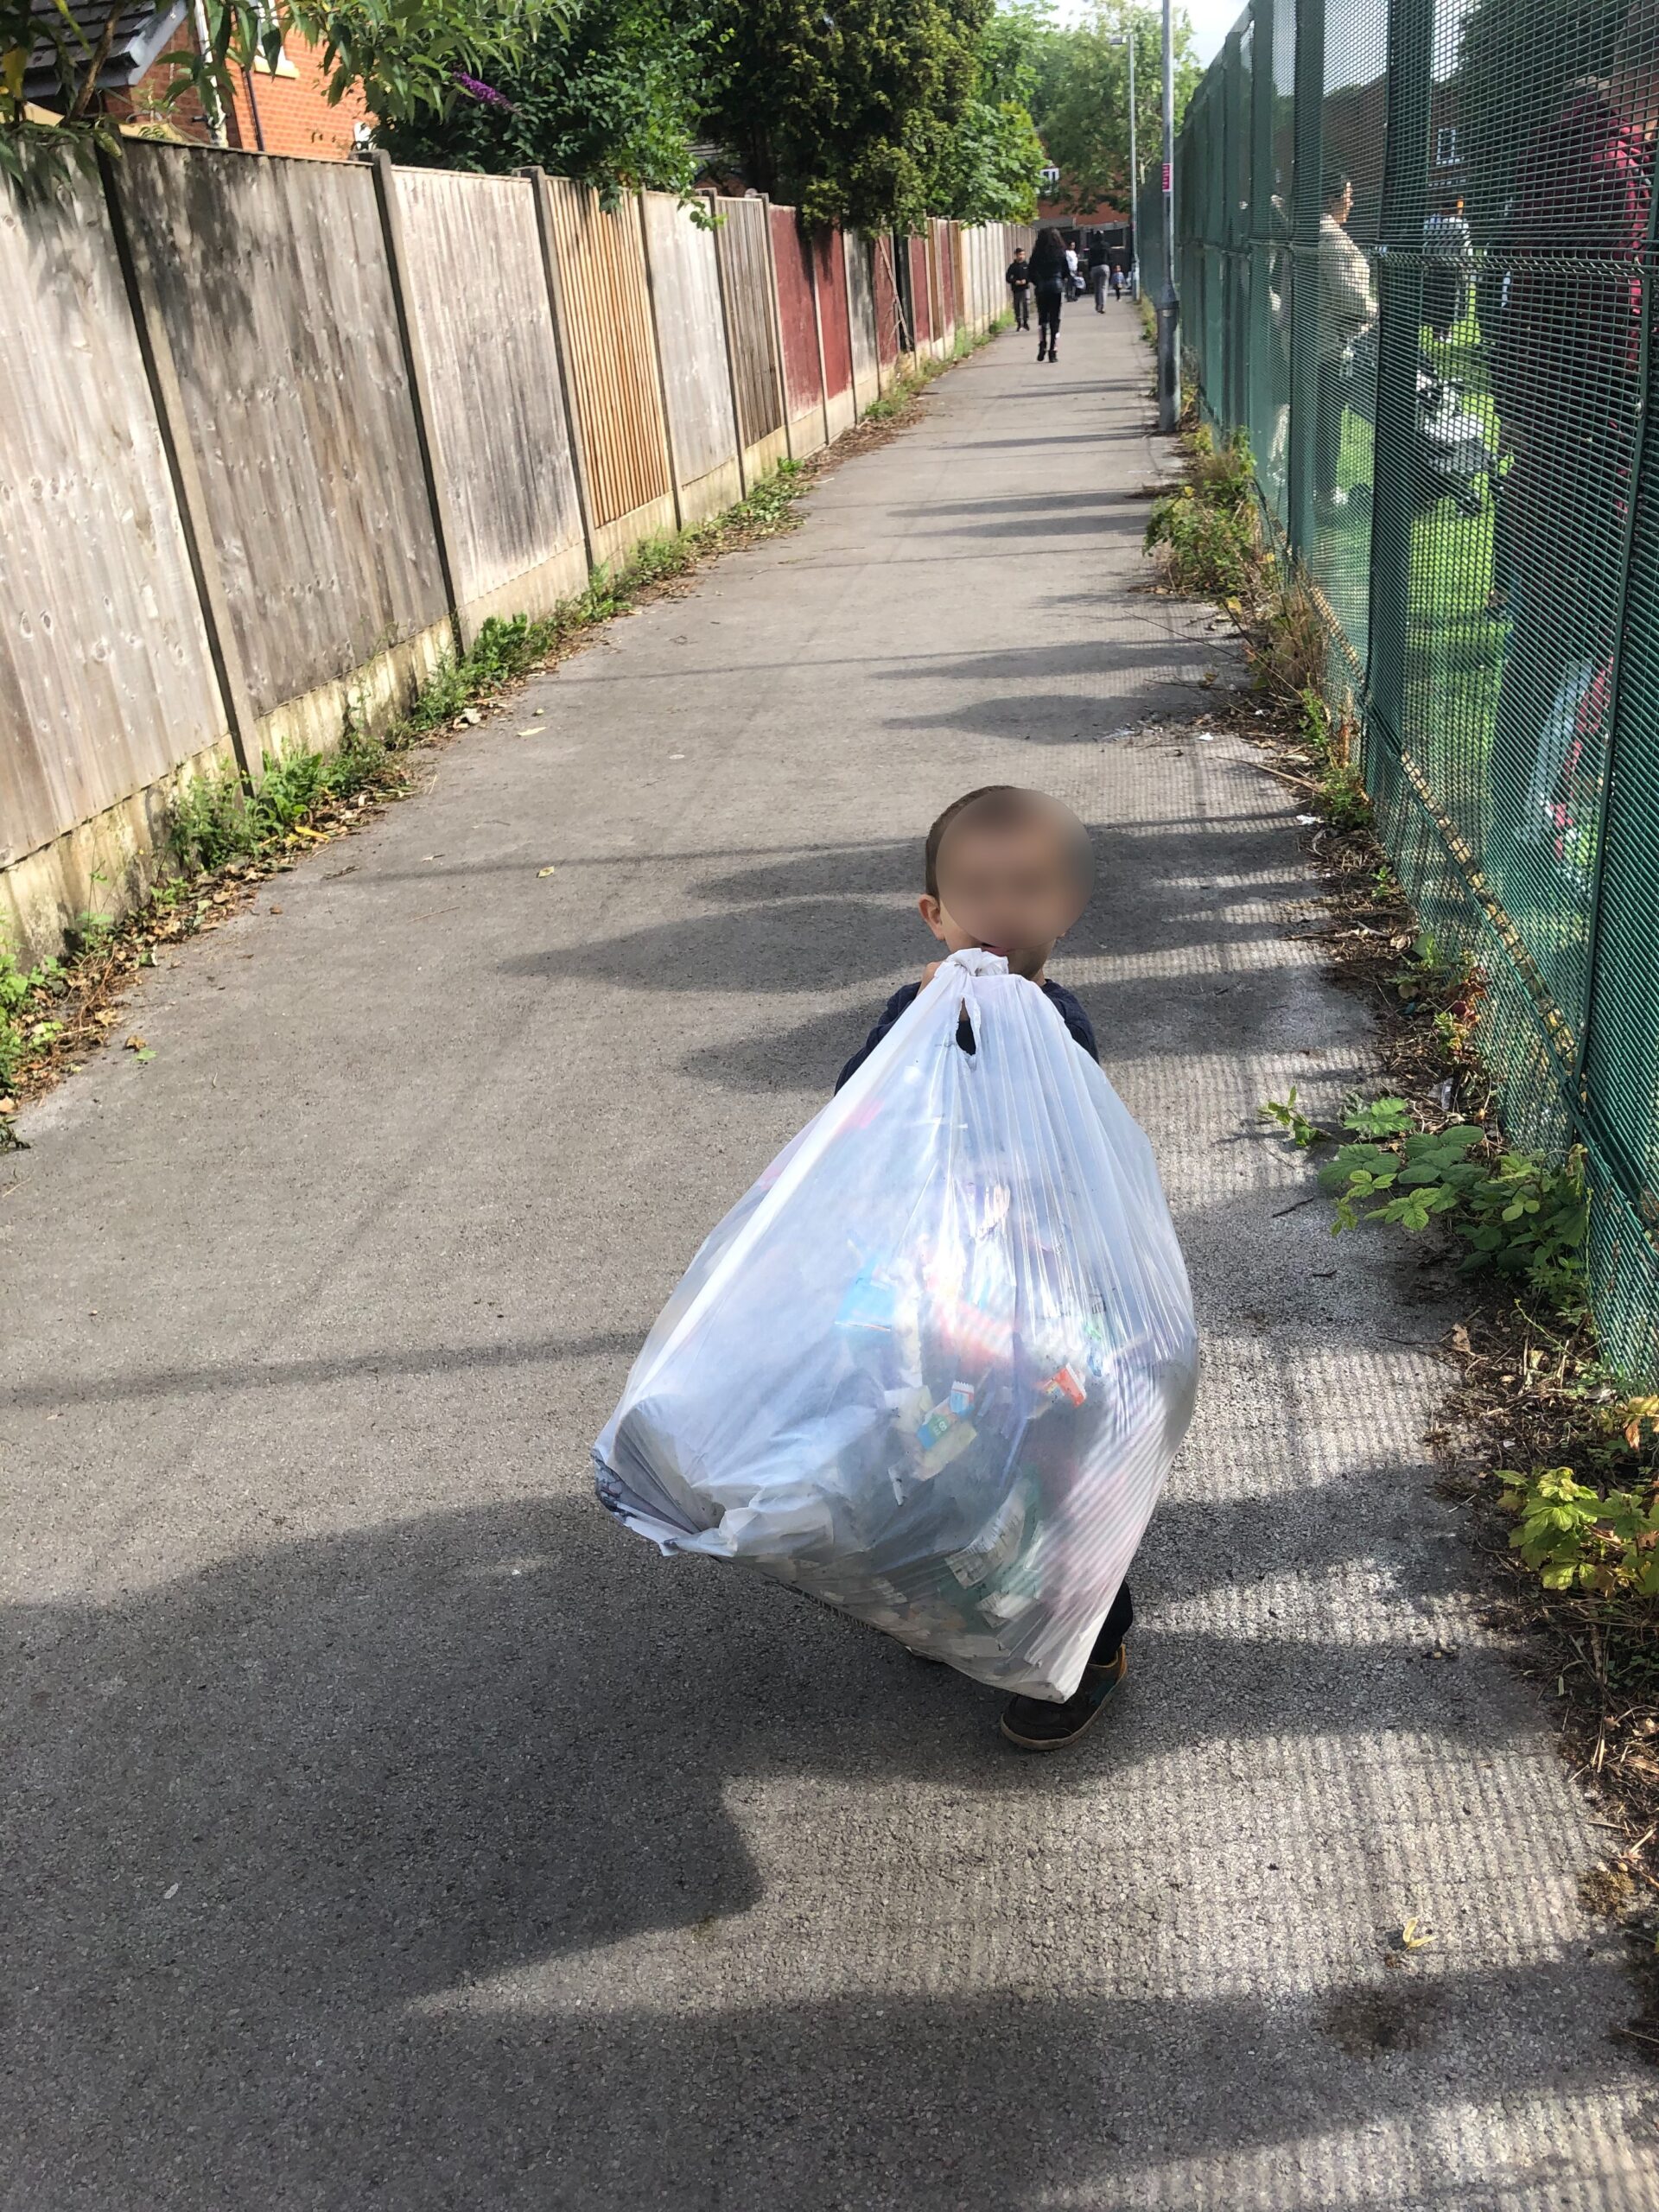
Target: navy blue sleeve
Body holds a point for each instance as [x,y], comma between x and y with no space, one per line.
[1076,1019]
[890,1013]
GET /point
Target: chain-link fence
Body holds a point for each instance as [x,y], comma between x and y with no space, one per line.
[1415,240]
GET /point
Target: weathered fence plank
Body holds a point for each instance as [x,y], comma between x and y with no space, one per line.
[860,319]
[478,297]
[685,285]
[618,408]
[744,251]
[107,685]
[278,309]
[829,271]
[799,325]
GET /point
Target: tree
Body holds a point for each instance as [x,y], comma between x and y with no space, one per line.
[847,114]
[991,162]
[1082,99]
[613,97]
[407,56]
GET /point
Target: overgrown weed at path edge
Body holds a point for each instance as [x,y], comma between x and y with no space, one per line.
[1559,1450]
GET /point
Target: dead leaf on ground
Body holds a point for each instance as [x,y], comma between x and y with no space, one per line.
[1413,1936]
[547,871]
[135,1044]
[1460,1338]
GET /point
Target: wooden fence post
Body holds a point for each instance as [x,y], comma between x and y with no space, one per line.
[161,373]
[408,336]
[852,349]
[662,373]
[780,377]
[731,356]
[556,312]
[817,324]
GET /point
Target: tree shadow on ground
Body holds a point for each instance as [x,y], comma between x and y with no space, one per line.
[272,1827]
[856,922]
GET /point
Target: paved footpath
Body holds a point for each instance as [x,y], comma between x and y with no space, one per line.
[386,1829]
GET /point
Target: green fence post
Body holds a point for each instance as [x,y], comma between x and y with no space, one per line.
[1399,323]
[1309,125]
[1258,409]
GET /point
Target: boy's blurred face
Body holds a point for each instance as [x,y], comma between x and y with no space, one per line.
[1013,888]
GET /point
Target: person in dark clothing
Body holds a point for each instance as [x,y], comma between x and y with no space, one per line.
[1018,280]
[1100,269]
[1009,871]
[1048,282]
[1567,379]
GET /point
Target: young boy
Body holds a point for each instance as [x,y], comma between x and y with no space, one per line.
[1009,871]
[1018,283]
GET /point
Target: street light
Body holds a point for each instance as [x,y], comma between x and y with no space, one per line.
[1169,358]
[1128,39]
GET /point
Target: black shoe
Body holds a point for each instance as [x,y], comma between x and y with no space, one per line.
[1053,355]
[1035,1724]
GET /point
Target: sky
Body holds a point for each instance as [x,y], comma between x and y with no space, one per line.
[1212,19]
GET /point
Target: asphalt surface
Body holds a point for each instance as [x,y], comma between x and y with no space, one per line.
[387,1828]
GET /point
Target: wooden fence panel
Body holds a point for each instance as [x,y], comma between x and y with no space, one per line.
[921,298]
[498,428]
[106,684]
[610,356]
[829,272]
[860,319]
[938,280]
[744,246]
[685,288]
[886,293]
[272,283]
[799,323]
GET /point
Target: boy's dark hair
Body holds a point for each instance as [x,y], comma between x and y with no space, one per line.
[993,806]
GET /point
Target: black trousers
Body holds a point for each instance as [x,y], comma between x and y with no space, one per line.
[1049,298]
[1116,1626]
[1021,306]
[1328,400]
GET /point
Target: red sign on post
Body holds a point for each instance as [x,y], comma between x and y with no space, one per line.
[1169,178]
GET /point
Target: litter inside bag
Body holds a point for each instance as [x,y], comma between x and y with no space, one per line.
[933,1369]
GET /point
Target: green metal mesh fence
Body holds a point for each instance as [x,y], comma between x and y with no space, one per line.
[1415,240]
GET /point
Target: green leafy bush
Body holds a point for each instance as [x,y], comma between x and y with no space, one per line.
[1576,1537]
[1210,552]
[21,990]
[1516,1214]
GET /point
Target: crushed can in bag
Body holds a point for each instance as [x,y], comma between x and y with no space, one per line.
[933,1368]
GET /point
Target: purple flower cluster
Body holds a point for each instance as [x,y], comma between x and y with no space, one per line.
[481,90]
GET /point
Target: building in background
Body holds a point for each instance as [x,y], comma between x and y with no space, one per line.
[284,110]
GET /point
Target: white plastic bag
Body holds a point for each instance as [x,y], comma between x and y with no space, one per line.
[934,1366]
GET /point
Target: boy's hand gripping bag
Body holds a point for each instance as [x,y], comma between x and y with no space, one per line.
[933,1368]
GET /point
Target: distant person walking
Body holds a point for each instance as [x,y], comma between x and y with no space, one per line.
[1120,269]
[1018,281]
[1100,273]
[1448,268]
[1049,276]
[1347,306]
[1073,281]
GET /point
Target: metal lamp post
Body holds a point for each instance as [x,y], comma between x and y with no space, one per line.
[1169,358]
[1135,178]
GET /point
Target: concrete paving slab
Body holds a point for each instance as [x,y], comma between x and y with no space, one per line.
[386,1828]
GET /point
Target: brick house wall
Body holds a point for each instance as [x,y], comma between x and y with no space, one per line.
[281,111]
